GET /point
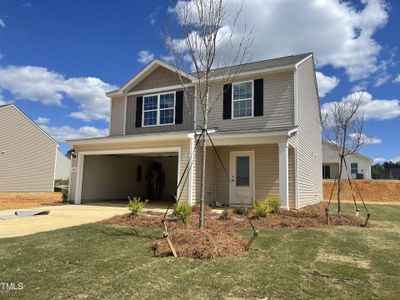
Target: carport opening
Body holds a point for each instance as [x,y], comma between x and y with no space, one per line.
[114,177]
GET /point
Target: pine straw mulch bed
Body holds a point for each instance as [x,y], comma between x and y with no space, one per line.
[219,237]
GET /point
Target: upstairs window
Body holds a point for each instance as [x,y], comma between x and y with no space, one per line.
[159,109]
[242,99]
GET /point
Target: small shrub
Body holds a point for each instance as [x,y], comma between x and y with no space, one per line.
[225,215]
[240,210]
[274,204]
[136,206]
[183,211]
[262,208]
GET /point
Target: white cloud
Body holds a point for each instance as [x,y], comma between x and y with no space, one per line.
[2,24]
[367,140]
[373,109]
[48,87]
[340,34]
[326,83]
[382,80]
[397,79]
[145,56]
[42,120]
[63,133]
[379,160]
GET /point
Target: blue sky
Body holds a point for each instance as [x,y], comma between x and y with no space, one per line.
[59,57]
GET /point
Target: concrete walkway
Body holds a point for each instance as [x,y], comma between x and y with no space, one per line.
[60,217]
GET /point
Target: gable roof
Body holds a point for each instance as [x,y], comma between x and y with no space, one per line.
[154,64]
[29,119]
[356,153]
[289,62]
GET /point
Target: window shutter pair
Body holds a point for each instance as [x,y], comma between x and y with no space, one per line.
[258,95]
[178,109]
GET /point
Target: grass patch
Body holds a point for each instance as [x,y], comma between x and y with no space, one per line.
[103,261]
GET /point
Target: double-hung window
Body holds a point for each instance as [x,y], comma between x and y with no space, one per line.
[242,99]
[159,109]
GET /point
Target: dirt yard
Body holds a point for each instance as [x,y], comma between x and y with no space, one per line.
[387,191]
[27,200]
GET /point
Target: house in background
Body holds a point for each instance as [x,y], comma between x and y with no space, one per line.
[265,127]
[63,167]
[359,166]
[27,153]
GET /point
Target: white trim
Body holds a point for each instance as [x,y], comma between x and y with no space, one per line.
[192,155]
[245,99]
[30,120]
[159,90]
[252,174]
[303,60]
[128,139]
[159,109]
[125,111]
[296,173]
[284,174]
[81,162]
[195,108]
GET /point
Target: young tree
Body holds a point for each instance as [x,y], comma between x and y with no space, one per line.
[207,44]
[343,126]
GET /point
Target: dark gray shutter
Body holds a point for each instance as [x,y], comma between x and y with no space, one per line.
[227,102]
[179,107]
[139,107]
[258,97]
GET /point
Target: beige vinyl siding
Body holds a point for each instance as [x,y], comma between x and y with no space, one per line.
[160,77]
[28,162]
[278,105]
[266,172]
[210,180]
[309,144]
[187,118]
[183,144]
[117,116]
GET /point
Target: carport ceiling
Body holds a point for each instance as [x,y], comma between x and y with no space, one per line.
[159,155]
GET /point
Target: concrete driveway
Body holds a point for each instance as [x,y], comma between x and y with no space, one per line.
[59,217]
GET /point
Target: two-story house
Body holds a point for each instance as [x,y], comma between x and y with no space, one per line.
[265,128]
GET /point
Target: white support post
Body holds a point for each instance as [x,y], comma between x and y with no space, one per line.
[284,174]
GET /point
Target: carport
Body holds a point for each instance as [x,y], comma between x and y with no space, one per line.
[115,175]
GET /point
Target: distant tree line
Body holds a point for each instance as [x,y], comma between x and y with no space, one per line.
[386,170]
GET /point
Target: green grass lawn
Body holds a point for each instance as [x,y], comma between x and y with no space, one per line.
[98,261]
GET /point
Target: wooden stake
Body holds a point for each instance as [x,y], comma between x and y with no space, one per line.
[171,246]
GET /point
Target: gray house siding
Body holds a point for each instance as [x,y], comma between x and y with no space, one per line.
[278,105]
[187,119]
[160,77]
[27,154]
[117,116]
[309,144]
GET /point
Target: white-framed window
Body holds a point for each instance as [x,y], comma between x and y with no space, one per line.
[158,109]
[242,99]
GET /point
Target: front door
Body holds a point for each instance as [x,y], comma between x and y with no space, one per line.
[241,191]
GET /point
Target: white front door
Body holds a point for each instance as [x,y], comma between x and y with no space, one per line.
[241,187]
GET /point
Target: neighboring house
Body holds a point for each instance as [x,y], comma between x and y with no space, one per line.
[27,154]
[63,167]
[359,166]
[266,129]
